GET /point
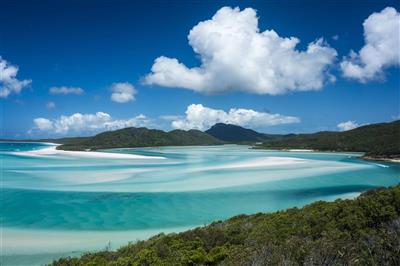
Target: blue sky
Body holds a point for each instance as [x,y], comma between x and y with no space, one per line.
[105,47]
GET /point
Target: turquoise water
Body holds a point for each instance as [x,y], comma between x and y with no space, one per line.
[60,204]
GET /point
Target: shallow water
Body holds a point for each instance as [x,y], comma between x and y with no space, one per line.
[58,205]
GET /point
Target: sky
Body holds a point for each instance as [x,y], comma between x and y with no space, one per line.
[73,68]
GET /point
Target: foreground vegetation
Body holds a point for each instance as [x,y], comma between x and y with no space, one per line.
[363,231]
[377,141]
[139,137]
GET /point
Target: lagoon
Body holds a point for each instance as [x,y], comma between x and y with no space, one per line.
[57,204]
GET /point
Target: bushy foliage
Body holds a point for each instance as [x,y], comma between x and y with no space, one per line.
[238,134]
[140,137]
[376,140]
[363,231]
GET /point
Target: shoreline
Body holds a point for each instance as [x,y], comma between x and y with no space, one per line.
[66,238]
[52,150]
[94,239]
[18,249]
[362,157]
[380,159]
[111,155]
[254,220]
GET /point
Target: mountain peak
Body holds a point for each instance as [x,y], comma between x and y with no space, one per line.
[234,133]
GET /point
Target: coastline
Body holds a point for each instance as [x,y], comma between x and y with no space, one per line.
[381,159]
[362,157]
[68,243]
[329,194]
[235,236]
[49,239]
[52,150]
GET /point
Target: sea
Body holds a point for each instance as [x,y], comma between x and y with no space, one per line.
[55,205]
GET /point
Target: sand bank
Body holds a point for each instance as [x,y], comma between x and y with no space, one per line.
[301,150]
[51,150]
[264,161]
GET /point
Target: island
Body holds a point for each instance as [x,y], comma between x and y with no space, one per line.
[377,141]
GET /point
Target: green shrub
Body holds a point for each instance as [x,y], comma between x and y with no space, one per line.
[363,231]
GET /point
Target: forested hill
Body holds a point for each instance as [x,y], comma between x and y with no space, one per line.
[376,140]
[140,137]
[234,133]
[363,231]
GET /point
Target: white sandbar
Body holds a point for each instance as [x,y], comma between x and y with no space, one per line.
[264,161]
[49,151]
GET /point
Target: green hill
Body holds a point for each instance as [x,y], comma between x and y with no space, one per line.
[363,231]
[234,133]
[140,137]
[377,140]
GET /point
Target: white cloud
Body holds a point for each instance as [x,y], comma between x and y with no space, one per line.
[123,92]
[66,90]
[8,81]
[335,37]
[43,123]
[344,126]
[202,118]
[236,56]
[51,105]
[381,49]
[87,123]
[396,117]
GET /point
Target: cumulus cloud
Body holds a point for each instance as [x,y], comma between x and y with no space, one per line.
[87,123]
[344,126]
[201,117]
[396,117]
[8,81]
[123,92]
[381,49]
[50,105]
[43,123]
[236,55]
[66,90]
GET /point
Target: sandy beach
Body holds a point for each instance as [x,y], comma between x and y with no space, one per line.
[301,150]
[52,150]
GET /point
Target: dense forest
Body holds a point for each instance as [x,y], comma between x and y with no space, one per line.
[139,137]
[363,231]
[377,140]
[237,134]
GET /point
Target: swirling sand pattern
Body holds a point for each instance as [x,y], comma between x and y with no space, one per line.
[77,202]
